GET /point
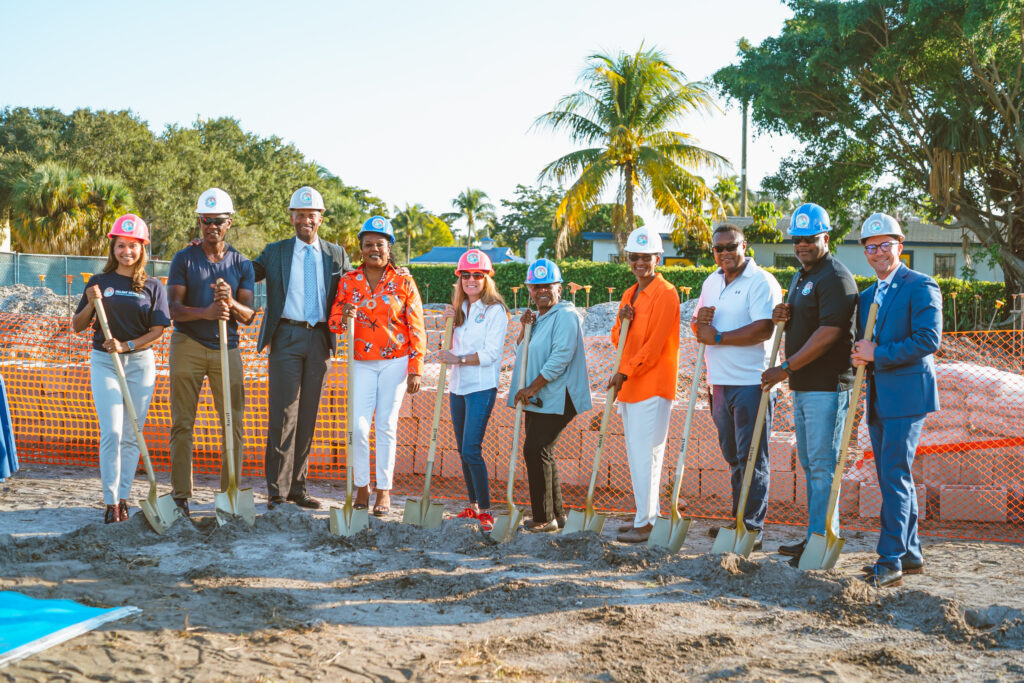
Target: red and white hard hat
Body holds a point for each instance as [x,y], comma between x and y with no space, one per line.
[475,260]
[130,225]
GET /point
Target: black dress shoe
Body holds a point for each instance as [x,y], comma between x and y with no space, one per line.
[182,504]
[884,577]
[909,569]
[713,531]
[304,501]
[274,501]
[794,550]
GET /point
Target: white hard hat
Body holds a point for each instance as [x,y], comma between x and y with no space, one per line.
[214,200]
[644,240]
[306,198]
[880,224]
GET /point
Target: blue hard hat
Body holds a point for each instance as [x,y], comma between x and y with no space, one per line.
[380,225]
[543,272]
[809,220]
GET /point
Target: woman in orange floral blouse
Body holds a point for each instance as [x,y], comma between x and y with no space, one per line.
[389,346]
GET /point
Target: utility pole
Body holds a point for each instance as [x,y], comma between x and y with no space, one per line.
[743,165]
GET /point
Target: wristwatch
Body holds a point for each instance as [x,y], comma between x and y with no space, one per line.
[462,360]
[718,338]
[785,368]
[130,345]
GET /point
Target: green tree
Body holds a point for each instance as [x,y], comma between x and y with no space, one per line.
[624,111]
[422,230]
[473,205]
[928,92]
[107,198]
[49,210]
[529,214]
[762,228]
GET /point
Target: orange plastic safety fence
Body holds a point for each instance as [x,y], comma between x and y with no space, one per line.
[969,469]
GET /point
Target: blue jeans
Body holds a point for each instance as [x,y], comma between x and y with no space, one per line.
[470,413]
[819,417]
[734,409]
[894,442]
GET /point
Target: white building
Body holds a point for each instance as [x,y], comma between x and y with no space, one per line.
[930,249]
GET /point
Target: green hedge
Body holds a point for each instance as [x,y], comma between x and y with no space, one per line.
[435,283]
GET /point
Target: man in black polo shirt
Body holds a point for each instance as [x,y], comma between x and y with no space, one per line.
[819,334]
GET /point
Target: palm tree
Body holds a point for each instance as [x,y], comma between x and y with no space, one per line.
[49,209]
[623,112]
[413,221]
[472,205]
[107,199]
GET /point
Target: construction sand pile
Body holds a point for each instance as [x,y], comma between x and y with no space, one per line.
[601,317]
[286,600]
[25,300]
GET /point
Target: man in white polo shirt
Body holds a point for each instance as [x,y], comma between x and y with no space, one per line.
[734,320]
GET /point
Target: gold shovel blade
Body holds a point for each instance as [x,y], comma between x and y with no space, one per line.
[160,512]
[725,542]
[745,543]
[832,554]
[579,520]
[229,505]
[429,518]
[665,534]
[347,521]
[813,556]
[505,525]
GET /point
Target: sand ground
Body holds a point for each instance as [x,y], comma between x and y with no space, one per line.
[288,601]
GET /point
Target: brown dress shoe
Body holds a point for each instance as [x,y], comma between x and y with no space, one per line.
[122,510]
[635,535]
[110,514]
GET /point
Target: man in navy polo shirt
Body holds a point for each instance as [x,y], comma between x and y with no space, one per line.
[197,302]
[819,334]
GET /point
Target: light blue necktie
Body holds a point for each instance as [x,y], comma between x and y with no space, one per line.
[880,291]
[310,289]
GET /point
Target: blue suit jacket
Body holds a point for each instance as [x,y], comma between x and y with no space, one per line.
[908,330]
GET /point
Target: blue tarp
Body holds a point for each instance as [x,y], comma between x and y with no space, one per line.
[8,453]
[28,625]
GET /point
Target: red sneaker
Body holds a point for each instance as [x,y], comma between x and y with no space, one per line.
[486,521]
[468,513]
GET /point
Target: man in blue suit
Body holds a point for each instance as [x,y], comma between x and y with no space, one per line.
[902,389]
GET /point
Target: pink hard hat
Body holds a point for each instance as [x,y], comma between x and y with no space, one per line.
[130,225]
[474,259]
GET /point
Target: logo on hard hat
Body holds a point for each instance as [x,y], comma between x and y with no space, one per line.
[108,292]
[306,197]
[540,272]
[802,221]
[641,239]
[211,201]
[473,258]
[378,223]
[128,226]
[875,226]
[807,288]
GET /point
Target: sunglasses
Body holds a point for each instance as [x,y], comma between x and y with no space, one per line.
[640,257]
[875,248]
[213,221]
[720,248]
[805,240]
[472,275]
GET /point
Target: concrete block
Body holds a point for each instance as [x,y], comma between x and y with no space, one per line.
[938,469]
[781,488]
[408,431]
[849,497]
[973,503]
[405,459]
[709,454]
[445,434]
[577,472]
[782,452]
[451,464]
[609,459]
[591,420]
[568,445]
[871,500]
[715,484]
[688,488]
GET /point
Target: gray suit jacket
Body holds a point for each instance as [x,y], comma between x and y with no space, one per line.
[275,266]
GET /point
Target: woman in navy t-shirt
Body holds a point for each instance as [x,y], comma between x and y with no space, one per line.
[136,308]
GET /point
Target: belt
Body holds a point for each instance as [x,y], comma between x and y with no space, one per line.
[303,323]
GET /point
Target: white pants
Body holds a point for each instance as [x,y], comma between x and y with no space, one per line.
[377,390]
[119,451]
[646,426]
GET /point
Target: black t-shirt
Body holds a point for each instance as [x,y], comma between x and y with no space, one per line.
[130,314]
[825,296]
[191,269]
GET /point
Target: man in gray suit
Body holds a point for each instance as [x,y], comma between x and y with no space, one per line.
[302,279]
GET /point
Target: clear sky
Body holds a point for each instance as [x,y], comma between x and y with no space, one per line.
[413,101]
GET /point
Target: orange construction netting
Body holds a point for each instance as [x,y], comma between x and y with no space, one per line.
[969,469]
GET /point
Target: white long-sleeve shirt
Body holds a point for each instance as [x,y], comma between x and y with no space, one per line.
[482,333]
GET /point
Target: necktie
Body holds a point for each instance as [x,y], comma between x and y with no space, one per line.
[310,289]
[880,291]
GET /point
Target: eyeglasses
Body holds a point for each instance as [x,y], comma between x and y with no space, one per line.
[213,221]
[472,275]
[805,240]
[640,257]
[874,248]
[719,248]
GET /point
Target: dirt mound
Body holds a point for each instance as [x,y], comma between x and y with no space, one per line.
[583,548]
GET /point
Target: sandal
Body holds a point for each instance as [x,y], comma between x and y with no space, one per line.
[383,504]
[362,498]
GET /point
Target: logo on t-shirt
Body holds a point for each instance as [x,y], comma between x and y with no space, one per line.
[802,221]
[108,292]
[807,288]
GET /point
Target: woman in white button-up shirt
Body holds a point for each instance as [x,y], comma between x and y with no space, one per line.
[481,318]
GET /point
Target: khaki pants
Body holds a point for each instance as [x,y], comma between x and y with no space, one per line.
[190,362]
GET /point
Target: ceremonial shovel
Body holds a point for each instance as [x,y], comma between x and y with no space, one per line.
[347,521]
[505,525]
[234,502]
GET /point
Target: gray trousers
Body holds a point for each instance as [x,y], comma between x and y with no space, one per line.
[296,368]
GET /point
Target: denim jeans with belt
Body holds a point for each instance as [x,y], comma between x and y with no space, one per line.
[818,417]
[470,413]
